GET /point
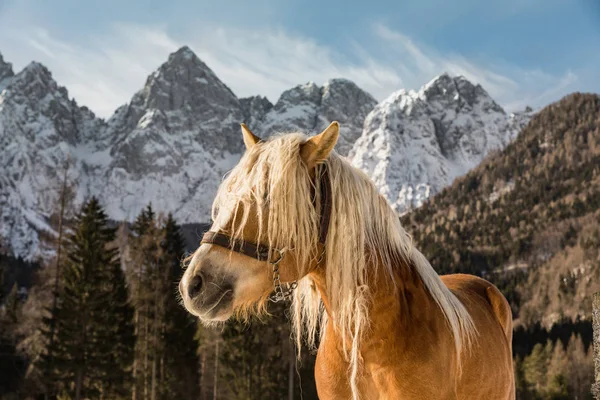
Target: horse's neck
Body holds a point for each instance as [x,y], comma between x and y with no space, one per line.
[398,312]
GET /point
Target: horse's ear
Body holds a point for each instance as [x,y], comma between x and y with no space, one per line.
[250,139]
[318,147]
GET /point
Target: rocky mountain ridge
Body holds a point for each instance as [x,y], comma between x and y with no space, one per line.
[177,137]
[416,143]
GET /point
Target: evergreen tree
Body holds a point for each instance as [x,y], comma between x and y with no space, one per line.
[91,352]
[2,268]
[535,366]
[252,360]
[521,385]
[12,364]
[118,323]
[208,355]
[166,364]
[179,326]
[557,388]
[256,355]
[146,290]
[144,221]
[581,369]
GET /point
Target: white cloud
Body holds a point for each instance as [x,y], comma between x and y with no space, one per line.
[102,75]
[106,71]
[511,86]
[269,62]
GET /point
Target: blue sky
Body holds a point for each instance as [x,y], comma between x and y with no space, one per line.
[524,52]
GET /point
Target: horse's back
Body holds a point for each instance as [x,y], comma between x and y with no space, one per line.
[473,285]
[492,316]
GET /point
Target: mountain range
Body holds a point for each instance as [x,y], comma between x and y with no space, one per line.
[177,137]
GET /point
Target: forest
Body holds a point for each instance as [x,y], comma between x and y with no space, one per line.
[101,319]
[111,327]
[104,321]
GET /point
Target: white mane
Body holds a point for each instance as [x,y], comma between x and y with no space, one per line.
[273,177]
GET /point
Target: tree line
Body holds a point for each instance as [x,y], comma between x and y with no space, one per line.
[113,327]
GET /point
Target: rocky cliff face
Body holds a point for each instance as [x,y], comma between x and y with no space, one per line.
[6,70]
[311,108]
[173,142]
[41,130]
[416,143]
[170,145]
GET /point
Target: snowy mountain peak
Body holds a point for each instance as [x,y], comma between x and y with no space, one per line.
[309,92]
[33,83]
[310,108]
[415,143]
[184,66]
[6,70]
[173,142]
[447,89]
[255,109]
[183,94]
[338,81]
[441,81]
[183,53]
[184,80]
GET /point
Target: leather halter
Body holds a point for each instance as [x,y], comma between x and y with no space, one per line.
[261,252]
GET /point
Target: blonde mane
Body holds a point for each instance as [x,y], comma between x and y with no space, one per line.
[364,233]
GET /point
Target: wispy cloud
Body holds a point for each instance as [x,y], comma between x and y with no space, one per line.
[510,85]
[268,62]
[106,72]
[102,75]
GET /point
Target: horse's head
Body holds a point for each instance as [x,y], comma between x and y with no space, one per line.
[266,226]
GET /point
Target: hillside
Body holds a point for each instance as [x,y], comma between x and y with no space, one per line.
[527,217]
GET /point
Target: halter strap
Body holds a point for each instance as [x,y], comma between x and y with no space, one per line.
[259,251]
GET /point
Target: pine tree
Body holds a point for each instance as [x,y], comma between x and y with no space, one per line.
[535,366]
[146,289]
[521,385]
[207,340]
[144,221]
[255,359]
[12,364]
[581,368]
[2,268]
[91,352]
[180,364]
[249,352]
[118,323]
[556,386]
[166,363]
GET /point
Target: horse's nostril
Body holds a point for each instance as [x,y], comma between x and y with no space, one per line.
[194,286]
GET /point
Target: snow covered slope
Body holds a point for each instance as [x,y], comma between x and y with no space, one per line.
[40,129]
[310,108]
[170,145]
[416,143]
[177,137]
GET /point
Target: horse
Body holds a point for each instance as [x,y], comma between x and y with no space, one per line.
[295,220]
